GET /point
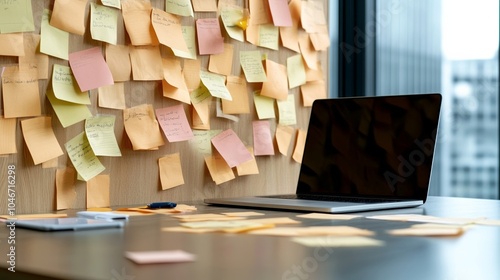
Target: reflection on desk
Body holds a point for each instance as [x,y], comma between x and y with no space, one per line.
[100,254]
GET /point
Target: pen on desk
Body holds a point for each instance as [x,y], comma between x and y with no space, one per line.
[158,205]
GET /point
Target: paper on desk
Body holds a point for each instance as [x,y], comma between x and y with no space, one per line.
[205,217]
[278,220]
[425,218]
[243,214]
[324,216]
[315,230]
[335,241]
[143,257]
[429,231]
[488,222]
[32,216]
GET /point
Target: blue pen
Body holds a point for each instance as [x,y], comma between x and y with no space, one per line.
[158,205]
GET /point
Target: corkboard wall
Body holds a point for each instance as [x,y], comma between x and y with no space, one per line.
[134,177]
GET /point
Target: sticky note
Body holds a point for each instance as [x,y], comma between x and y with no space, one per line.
[40,139]
[100,131]
[252,66]
[16,16]
[262,139]
[231,148]
[174,123]
[210,40]
[170,171]
[104,23]
[90,69]
[83,158]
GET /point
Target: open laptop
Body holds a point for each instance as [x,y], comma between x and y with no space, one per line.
[361,154]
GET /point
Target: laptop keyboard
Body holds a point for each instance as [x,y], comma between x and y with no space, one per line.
[332,198]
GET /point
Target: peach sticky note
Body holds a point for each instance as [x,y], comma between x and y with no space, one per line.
[259,9]
[240,104]
[118,60]
[8,132]
[290,34]
[137,19]
[284,136]
[231,148]
[12,44]
[210,40]
[218,168]
[83,158]
[98,191]
[205,5]
[222,63]
[170,171]
[40,139]
[312,91]
[262,139]
[69,16]
[90,69]
[112,96]
[190,39]
[276,85]
[32,58]
[168,30]
[174,123]
[248,168]
[65,188]
[21,94]
[309,54]
[142,128]
[298,152]
[146,63]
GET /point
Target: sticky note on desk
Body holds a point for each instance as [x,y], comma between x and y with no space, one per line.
[172,256]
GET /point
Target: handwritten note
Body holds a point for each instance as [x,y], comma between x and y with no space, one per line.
[230,17]
[179,7]
[65,86]
[90,69]
[210,40]
[262,139]
[103,23]
[68,113]
[142,128]
[174,123]
[16,16]
[83,158]
[215,84]
[230,147]
[286,111]
[32,58]
[54,42]
[112,3]
[268,36]
[170,171]
[40,139]
[101,135]
[201,140]
[168,30]
[21,93]
[251,62]
[190,40]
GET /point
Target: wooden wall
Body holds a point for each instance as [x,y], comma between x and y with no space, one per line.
[134,177]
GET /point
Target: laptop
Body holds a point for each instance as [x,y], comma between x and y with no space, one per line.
[361,154]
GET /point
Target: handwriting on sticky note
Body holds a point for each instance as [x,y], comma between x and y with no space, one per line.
[174,123]
[251,63]
[215,84]
[210,40]
[103,23]
[168,30]
[231,148]
[100,131]
[83,158]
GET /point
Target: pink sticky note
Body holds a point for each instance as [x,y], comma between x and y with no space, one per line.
[262,139]
[231,148]
[143,257]
[90,69]
[210,40]
[280,12]
[174,123]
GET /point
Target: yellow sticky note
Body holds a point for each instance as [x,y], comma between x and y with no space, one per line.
[268,36]
[189,36]
[170,171]
[68,113]
[83,158]
[286,111]
[179,7]
[104,23]
[232,19]
[65,86]
[100,131]
[264,106]
[16,16]
[216,84]
[296,71]
[54,42]
[40,139]
[252,66]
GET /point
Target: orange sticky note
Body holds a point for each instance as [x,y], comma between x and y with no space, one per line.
[32,58]
[309,54]
[12,44]
[248,168]
[222,63]
[112,96]
[146,63]
[170,171]
[137,19]
[65,188]
[142,128]
[40,139]
[312,91]
[276,85]
[98,191]
[191,72]
[69,16]
[218,168]
[259,10]
[8,132]
[240,104]
[118,60]
[21,93]
[168,30]
[298,152]
[284,134]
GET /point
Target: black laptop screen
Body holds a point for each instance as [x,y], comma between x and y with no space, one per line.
[371,146]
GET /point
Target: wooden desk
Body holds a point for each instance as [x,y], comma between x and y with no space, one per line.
[99,254]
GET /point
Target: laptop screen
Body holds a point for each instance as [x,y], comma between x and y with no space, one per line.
[380,146]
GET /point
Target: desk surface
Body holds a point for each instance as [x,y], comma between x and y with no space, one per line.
[99,254]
